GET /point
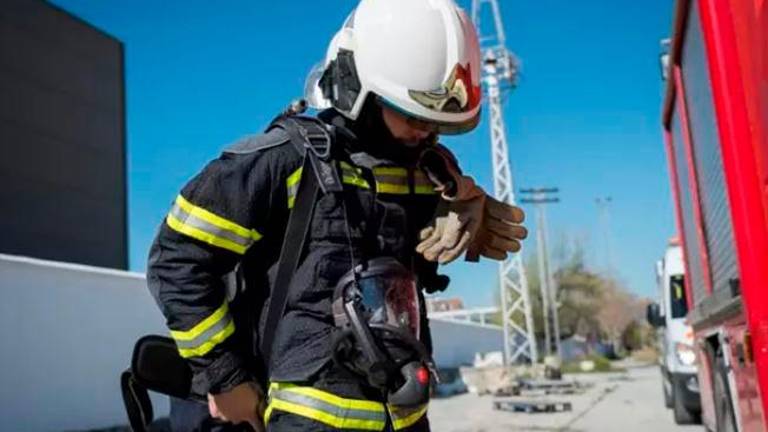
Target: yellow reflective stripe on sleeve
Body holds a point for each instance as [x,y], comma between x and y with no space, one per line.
[186,335]
[200,224]
[403,418]
[210,344]
[216,220]
[206,334]
[204,236]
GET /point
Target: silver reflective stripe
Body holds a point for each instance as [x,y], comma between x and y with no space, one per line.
[195,222]
[206,335]
[336,411]
[292,190]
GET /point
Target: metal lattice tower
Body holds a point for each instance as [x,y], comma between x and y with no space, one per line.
[499,77]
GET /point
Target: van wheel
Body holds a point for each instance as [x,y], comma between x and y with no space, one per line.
[726,420]
[665,385]
[682,415]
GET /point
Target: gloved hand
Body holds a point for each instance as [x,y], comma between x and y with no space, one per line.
[452,230]
[470,220]
[480,226]
[245,403]
[500,231]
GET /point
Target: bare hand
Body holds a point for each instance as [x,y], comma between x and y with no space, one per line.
[244,403]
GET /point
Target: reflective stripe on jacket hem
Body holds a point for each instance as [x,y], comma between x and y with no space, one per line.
[338,412]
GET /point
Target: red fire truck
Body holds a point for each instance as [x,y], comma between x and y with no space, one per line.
[716,129]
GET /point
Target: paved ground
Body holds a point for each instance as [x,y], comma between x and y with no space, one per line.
[625,402]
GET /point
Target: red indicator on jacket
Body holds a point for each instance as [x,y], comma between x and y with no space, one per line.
[422,375]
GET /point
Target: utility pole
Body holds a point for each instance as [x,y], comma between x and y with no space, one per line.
[499,77]
[539,197]
[604,228]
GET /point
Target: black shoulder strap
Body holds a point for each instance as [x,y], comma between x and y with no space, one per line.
[314,138]
[298,224]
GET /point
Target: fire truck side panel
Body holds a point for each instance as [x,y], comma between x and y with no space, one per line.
[715,222]
[715,118]
[733,85]
[750,26]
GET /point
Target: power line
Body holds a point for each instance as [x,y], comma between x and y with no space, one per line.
[539,197]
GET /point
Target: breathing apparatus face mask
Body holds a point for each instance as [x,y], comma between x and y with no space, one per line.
[376,306]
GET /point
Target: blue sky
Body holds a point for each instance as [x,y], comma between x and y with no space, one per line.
[585,116]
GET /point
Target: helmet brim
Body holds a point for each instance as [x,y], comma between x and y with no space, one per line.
[442,128]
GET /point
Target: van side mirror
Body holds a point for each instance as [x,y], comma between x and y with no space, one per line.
[654,316]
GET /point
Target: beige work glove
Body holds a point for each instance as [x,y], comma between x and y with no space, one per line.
[469,220]
[478,226]
[450,233]
[245,403]
[500,231]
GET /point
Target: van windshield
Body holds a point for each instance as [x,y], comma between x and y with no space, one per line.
[679,305]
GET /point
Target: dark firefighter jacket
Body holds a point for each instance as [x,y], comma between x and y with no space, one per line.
[235,212]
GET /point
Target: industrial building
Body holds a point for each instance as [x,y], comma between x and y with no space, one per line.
[62,131]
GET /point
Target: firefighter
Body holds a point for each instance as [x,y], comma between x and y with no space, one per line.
[396,75]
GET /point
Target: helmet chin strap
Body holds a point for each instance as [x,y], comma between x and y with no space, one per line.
[375,138]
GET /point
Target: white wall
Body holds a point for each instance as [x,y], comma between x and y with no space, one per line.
[67,332]
[455,343]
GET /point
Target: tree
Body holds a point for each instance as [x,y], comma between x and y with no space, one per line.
[577,292]
[589,304]
[616,312]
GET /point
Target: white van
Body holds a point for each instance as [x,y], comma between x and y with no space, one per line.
[677,356]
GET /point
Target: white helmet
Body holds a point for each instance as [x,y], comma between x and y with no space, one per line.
[419,57]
